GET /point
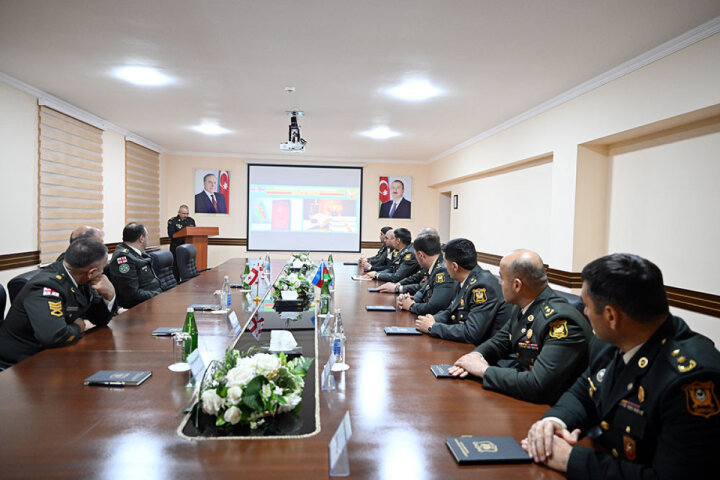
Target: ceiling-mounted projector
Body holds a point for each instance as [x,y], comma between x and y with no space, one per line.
[295,142]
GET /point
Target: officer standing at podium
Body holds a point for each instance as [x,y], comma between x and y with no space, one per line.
[176,224]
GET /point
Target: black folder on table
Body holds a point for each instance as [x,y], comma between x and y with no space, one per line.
[350,263]
[379,308]
[402,331]
[118,378]
[441,371]
[470,450]
[374,289]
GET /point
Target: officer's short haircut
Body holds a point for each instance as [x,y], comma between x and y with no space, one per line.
[384,230]
[404,235]
[88,233]
[461,251]
[133,231]
[530,271]
[628,282]
[400,182]
[208,175]
[85,252]
[183,206]
[428,244]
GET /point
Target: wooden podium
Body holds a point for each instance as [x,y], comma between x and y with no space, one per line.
[198,236]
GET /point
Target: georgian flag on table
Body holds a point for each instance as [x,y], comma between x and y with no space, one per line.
[253,275]
[256,326]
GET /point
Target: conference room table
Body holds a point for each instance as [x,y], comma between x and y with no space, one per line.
[52,426]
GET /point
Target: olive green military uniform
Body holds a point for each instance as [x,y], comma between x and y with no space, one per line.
[385,262]
[380,256]
[656,417]
[550,345]
[436,293]
[412,283]
[176,224]
[44,312]
[477,311]
[133,277]
[403,265]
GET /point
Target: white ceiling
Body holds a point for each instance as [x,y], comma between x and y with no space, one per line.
[232,60]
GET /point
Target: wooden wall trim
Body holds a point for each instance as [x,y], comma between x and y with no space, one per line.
[371,244]
[18,260]
[242,242]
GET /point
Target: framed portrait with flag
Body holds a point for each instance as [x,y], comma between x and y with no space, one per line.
[212,191]
[395,200]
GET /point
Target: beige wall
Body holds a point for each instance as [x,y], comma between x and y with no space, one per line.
[19,166]
[177,180]
[113,185]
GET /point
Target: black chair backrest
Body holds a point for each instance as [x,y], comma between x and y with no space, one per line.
[187,267]
[162,265]
[18,282]
[3,300]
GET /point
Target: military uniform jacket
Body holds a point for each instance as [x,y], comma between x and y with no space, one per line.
[436,293]
[133,277]
[384,263]
[380,256]
[176,224]
[550,344]
[411,284]
[403,265]
[43,314]
[657,417]
[477,310]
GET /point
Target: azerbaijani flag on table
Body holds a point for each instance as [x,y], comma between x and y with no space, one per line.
[321,276]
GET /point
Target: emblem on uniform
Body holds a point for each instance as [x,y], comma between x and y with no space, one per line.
[592,389]
[641,394]
[643,362]
[479,295]
[408,256]
[701,400]
[531,318]
[629,448]
[124,268]
[473,281]
[50,291]
[59,277]
[548,311]
[55,309]
[558,329]
[440,277]
[529,333]
[485,446]
[462,302]
[600,375]
[121,260]
[178,225]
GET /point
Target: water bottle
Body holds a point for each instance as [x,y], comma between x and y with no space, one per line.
[338,344]
[324,299]
[267,266]
[226,297]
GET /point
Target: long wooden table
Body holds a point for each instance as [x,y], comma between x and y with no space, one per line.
[53,426]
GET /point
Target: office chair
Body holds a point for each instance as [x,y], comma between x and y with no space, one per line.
[18,282]
[187,267]
[162,265]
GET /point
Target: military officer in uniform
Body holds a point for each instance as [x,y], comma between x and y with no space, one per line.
[49,310]
[414,282]
[404,262]
[176,224]
[477,309]
[544,345]
[650,394]
[384,262]
[84,231]
[131,269]
[367,263]
[437,292]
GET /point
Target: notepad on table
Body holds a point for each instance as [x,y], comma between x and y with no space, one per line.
[469,450]
[350,263]
[166,331]
[118,378]
[374,289]
[360,277]
[441,371]
[379,308]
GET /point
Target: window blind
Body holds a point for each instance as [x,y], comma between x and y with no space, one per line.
[142,189]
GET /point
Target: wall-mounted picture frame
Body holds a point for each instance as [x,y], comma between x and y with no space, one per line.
[212,191]
[395,194]
[455,202]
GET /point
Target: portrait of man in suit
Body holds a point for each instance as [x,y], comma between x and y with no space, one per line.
[213,199]
[394,204]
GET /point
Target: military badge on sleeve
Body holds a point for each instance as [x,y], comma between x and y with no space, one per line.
[408,256]
[50,292]
[55,309]
[440,277]
[479,295]
[629,448]
[558,329]
[701,400]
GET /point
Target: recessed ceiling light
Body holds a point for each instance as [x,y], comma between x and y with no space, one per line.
[144,76]
[210,128]
[380,133]
[415,90]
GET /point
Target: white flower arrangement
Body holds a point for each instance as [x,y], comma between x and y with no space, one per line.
[301,262]
[292,282]
[246,390]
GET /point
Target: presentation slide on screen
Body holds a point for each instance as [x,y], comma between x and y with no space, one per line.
[296,208]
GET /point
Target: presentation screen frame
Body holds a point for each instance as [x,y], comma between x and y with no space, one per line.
[284,165]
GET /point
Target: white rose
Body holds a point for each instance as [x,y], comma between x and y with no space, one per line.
[292,278]
[292,401]
[211,402]
[234,395]
[240,375]
[266,391]
[266,363]
[232,415]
